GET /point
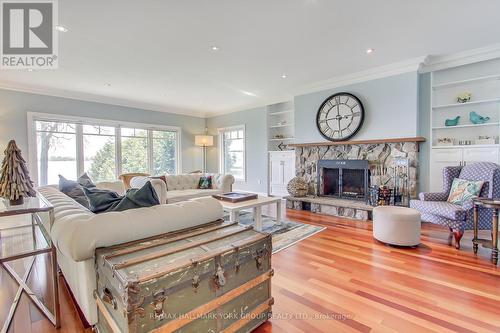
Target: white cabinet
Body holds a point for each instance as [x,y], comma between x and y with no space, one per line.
[471,155]
[281,171]
[442,157]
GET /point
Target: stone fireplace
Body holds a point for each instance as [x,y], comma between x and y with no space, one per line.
[335,189]
[344,179]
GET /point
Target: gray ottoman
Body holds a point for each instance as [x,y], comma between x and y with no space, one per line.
[396,225]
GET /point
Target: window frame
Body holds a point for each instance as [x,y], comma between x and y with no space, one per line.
[79,122]
[221,139]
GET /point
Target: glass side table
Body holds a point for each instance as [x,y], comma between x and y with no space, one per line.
[27,238]
[494,205]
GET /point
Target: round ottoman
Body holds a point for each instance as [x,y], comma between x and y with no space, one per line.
[396,225]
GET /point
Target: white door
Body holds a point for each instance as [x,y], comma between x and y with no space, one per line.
[441,158]
[281,171]
[472,155]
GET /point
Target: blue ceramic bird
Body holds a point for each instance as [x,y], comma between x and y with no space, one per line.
[452,122]
[477,119]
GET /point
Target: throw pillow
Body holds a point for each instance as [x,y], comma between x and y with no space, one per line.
[205,182]
[74,189]
[464,190]
[108,201]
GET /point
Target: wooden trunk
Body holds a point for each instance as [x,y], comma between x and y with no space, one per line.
[213,278]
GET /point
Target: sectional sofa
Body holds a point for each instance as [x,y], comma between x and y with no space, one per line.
[176,188]
[77,232]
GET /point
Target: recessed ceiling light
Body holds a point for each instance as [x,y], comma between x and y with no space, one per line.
[248,93]
[284,76]
[215,48]
[61,28]
[370,51]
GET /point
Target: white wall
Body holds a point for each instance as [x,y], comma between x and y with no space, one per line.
[390,108]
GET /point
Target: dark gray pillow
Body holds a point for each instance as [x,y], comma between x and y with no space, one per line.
[74,189]
[108,201]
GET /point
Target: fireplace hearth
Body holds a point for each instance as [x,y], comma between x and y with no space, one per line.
[344,179]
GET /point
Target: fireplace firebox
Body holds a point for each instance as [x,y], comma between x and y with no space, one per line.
[346,179]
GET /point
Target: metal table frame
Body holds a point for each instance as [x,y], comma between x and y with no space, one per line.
[494,205]
[36,221]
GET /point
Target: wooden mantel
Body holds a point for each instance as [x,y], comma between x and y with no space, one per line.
[359,142]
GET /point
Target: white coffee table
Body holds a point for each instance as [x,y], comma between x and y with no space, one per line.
[256,204]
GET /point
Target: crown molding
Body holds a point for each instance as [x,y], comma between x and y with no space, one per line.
[87,97]
[410,65]
[261,104]
[439,62]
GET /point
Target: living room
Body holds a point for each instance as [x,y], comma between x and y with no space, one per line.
[231,166]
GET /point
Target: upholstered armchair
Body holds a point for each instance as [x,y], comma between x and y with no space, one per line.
[435,208]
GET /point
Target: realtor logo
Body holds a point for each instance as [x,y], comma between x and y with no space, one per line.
[29,40]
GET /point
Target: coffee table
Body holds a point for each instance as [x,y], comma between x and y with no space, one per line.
[234,209]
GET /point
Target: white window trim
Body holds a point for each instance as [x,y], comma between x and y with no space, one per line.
[221,153]
[32,151]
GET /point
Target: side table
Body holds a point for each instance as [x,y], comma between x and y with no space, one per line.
[494,205]
[27,240]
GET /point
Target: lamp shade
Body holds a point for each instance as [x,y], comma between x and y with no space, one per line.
[204,140]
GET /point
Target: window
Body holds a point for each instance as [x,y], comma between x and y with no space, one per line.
[99,152]
[104,149]
[56,144]
[232,151]
[134,150]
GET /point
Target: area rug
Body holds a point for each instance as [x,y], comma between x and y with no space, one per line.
[286,234]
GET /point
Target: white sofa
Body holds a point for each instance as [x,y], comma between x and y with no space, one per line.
[77,232]
[185,187]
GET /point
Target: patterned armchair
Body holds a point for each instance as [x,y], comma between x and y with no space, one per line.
[435,208]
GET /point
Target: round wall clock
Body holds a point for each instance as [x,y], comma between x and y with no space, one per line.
[340,117]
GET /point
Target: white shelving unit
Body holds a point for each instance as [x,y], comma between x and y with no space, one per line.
[482,80]
[280,131]
[280,125]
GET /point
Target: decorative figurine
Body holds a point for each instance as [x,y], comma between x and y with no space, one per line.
[464,97]
[452,122]
[477,119]
[15,182]
[445,141]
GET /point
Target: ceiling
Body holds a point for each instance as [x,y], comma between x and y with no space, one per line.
[158,55]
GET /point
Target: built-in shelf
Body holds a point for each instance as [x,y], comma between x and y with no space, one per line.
[280,126]
[282,139]
[280,112]
[468,81]
[467,146]
[465,126]
[483,101]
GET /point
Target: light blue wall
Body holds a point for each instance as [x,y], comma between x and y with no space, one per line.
[256,146]
[424,112]
[15,105]
[390,108]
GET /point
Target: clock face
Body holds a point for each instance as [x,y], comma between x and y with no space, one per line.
[340,117]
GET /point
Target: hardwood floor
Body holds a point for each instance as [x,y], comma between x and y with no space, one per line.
[341,280]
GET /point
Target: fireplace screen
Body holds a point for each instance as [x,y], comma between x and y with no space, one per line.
[343,179]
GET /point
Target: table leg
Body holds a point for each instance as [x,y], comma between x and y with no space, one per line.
[475,244]
[278,212]
[494,238]
[257,217]
[55,288]
[234,216]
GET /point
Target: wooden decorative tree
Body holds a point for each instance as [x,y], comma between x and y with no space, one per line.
[15,182]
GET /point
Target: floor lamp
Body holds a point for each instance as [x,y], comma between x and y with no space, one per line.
[204,141]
